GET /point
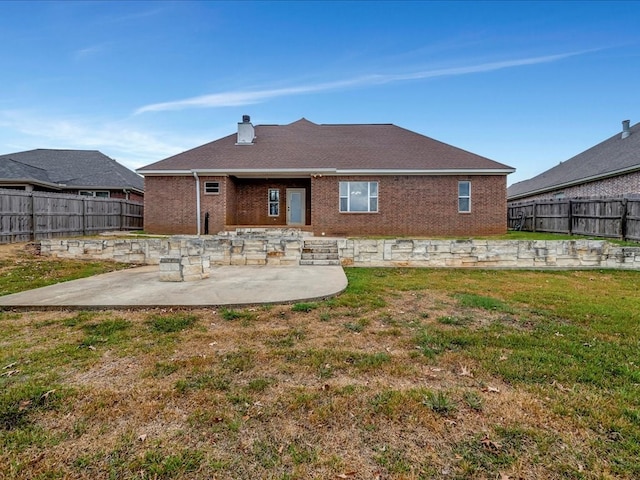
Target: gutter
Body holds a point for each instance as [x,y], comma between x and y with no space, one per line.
[195,175]
[275,172]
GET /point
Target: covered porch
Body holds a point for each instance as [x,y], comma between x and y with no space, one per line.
[268,202]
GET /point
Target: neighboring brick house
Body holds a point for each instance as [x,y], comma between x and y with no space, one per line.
[78,172]
[609,169]
[327,179]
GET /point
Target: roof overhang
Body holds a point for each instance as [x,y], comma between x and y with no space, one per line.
[103,187]
[593,178]
[310,172]
[30,181]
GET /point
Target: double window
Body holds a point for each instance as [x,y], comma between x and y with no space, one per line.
[274,202]
[90,193]
[358,196]
[464,196]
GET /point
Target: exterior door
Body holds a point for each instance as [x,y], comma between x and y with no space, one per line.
[296,208]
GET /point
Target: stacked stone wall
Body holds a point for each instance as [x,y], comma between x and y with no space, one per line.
[259,249]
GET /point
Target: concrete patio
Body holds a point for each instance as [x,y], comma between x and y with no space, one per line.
[227,285]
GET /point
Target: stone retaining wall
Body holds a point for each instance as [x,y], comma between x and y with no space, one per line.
[273,250]
[224,250]
[488,253]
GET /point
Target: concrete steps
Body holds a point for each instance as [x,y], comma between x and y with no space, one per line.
[320,252]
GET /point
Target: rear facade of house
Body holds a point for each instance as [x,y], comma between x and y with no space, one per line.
[333,180]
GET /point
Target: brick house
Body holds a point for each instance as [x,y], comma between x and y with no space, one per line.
[76,172]
[327,179]
[608,169]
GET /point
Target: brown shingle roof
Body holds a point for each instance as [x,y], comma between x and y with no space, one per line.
[304,145]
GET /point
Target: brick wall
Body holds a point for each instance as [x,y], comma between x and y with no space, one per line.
[621,185]
[231,202]
[414,205]
[170,205]
[408,205]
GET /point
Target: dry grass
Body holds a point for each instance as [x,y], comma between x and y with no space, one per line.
[360,387]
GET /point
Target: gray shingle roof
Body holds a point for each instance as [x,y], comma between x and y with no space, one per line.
[11,169]
[614,156]
[304,145]
[71,168]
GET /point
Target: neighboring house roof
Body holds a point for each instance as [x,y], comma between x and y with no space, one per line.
[306,147]
[614,156]
[68,168]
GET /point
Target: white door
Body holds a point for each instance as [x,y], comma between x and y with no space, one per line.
[296,207]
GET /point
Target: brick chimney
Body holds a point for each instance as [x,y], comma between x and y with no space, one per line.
[246,132]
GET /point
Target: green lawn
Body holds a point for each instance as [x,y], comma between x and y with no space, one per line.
[409,374]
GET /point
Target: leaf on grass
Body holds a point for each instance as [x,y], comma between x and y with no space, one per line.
[142,437]
[560,387]
[6,367]
[346,475]
[10,373]
[45,395]
[490,445]
[491,389]
[465,372]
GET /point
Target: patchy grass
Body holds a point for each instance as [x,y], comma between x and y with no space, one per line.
[21,269]
[172,322]
[409,374]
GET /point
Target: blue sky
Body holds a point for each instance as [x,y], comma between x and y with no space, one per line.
[528,84]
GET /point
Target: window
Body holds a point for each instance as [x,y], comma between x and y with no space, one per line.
[99,194]
[464,197]
[274,202]
[211,188]
[358,196]
[558,195]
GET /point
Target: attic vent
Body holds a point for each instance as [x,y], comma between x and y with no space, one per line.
[246,132]
[625,129]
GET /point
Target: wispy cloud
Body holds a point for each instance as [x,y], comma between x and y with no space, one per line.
[238,98]
[138,15]
[132,146]
[91,51]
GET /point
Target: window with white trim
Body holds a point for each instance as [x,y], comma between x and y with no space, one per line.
[211,188]
[464,196]
[359,196]
[274,202]
[99,193]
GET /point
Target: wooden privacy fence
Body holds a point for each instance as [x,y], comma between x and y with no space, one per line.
[26,216]
[598,217]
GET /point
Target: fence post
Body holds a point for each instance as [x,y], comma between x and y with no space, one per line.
[84,217]
[122,214]
[33,217]
[570,217]
[533,216]
[623,220]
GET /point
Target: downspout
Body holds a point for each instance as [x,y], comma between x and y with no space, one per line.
[195,175]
